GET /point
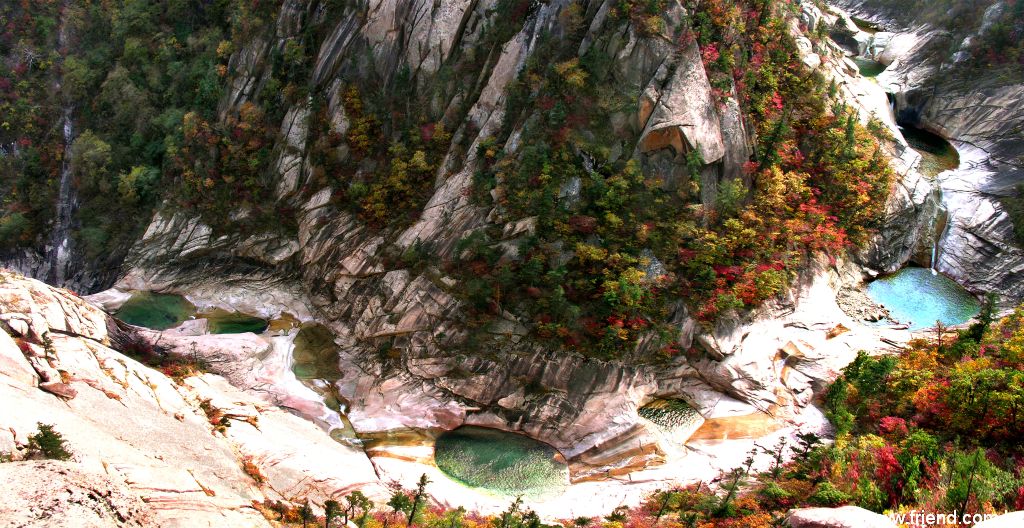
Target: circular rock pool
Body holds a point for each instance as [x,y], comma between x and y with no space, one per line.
[868,67]
[315,355]
[158,311]
[670,415]
[501,463]
[937,154]
[919,297]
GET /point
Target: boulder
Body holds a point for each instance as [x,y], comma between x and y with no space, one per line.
[845,517]
[42,309]
[109,300]
[810,16]
[190,327]
[57,388]
[684,118]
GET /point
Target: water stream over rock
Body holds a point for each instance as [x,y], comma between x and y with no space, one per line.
[310,397]
[59,251]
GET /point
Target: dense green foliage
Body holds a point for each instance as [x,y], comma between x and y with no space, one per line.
[129,72]
[936,427]
[31,140]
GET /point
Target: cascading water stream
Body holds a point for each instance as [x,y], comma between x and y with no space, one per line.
[939,230]
[59,250]
[297,394]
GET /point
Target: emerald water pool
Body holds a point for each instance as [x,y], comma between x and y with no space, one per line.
[669,414]
[868,68]
[225,322]
[500,462]
[919,298]
[158,311]
[865,25]
[937,155]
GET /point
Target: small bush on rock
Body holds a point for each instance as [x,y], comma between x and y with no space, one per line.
[48,443]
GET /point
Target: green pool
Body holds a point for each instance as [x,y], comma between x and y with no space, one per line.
[225,322]
[315,355]
[501,463]
[868,68]
[158,311]
[865,26]
[918,297]
[937,155]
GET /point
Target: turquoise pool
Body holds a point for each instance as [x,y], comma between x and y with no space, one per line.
[919,297]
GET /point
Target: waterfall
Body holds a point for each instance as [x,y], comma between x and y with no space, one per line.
[940,227]
[296,395]
[59,250]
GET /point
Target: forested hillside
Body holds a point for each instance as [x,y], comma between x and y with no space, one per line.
[124,75]
[612,239]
